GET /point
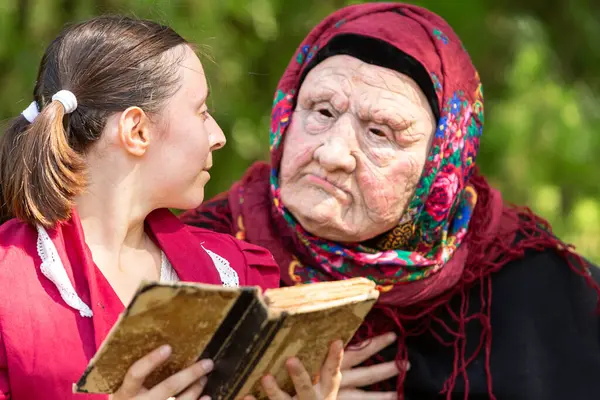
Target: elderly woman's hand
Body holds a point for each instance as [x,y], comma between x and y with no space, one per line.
[330,385]
[355,378]
[329,379]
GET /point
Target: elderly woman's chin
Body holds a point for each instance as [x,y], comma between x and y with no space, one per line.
[327,217]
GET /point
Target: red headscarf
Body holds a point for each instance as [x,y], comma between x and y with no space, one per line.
[492,235]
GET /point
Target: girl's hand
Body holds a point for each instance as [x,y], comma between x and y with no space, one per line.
[186,384]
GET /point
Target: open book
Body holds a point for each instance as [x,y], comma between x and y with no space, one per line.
[247,334]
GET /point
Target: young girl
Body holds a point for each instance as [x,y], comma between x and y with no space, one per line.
[118,133]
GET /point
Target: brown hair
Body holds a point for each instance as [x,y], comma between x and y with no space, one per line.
[109,63]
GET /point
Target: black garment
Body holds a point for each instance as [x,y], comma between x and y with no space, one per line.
[378,52]
[545,338]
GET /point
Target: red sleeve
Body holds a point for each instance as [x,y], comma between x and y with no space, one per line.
[4,385]
[214,215]
[261,268]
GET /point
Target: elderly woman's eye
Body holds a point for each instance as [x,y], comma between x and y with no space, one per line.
[377,132]
[325,112]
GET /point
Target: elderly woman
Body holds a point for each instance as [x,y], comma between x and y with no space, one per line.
[375,130]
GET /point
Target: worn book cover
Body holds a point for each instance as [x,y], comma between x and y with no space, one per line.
[247,334]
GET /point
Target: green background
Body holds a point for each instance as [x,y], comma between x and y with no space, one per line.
[538,59]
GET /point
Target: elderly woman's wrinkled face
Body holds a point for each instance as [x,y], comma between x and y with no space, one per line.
[355,149]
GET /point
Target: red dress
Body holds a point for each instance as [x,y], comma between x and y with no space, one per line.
[45,344]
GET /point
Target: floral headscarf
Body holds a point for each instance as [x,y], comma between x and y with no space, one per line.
[437,219]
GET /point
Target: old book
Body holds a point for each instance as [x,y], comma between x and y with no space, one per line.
[246,333]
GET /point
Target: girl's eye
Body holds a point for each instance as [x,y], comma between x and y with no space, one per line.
[204,115]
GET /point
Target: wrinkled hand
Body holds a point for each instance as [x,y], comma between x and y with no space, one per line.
[187,384]
[326,389]
[355,378]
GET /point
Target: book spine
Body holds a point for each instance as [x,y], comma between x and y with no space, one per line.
[240,310]
[254,355]
[231,344]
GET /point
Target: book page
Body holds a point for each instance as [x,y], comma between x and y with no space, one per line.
[317,296]
[185,316]
[308,337]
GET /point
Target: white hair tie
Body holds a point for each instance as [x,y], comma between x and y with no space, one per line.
[31,112]
[68,100]
[66,97]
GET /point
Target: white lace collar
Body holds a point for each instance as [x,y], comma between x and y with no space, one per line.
[229,276]
[167,272]
[53,269]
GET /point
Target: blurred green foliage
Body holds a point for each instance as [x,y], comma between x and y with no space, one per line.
[538,60]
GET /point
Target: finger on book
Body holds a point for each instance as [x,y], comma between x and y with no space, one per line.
[194,391]
[272,389]
[361,352]
[356,394]
[364,376]
[301,379]
[330,376]
[137,373]
[176,383]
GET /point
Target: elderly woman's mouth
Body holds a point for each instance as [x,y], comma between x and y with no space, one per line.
[334,189]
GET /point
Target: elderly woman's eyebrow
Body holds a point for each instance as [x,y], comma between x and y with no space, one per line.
[335,96]
[318,95]
[393,119]
[323,91]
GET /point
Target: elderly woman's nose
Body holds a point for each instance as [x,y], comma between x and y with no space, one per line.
[335,154]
